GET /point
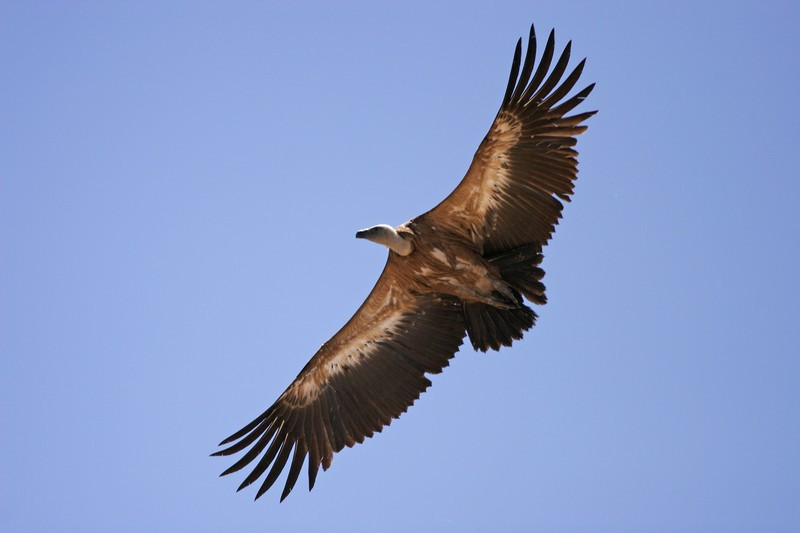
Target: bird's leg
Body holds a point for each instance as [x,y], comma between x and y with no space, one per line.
[504,296]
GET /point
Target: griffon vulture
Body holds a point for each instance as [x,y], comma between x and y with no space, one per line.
[463,267]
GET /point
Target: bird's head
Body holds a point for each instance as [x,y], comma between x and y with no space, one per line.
[387,236]
[382,234]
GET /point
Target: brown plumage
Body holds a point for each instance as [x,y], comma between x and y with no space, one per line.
[463,267]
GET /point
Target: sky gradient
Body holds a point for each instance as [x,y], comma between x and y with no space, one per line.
[180,185]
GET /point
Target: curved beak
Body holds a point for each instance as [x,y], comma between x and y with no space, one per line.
[361,234]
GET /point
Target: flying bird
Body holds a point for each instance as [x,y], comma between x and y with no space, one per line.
[464,267]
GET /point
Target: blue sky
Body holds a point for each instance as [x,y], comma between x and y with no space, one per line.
[179,188]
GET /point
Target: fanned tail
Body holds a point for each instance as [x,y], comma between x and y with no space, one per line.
[490,327]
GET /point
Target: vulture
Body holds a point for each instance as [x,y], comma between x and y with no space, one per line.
[466,267]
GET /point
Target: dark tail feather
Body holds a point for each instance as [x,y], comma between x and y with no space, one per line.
[490,327]
[520,268]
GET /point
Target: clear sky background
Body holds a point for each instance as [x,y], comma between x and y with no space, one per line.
[180,184]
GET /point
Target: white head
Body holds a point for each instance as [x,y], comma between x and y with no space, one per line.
[387,236]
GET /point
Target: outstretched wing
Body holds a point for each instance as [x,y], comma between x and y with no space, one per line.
[370,372]
[526,163]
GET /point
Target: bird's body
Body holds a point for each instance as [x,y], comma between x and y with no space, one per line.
[464,267]
[446,263]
